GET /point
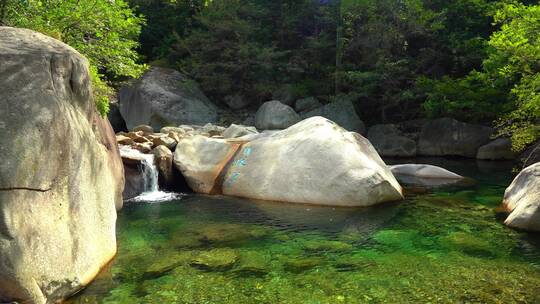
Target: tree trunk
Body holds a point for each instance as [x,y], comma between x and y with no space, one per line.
[3,10]
[339,47]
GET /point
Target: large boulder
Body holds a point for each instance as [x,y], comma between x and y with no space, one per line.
[500,148]
[341,112]
[164,97]
[273,115]
[522,199]
[313,162]
[201,160]
[389,141]
[61,175]
[447,136]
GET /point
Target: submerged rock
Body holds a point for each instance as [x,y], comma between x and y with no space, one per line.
[215,259]
[447,136]
[522,199]
[301,264]
[61,176]
[253,263]
[273,115]
[164,97]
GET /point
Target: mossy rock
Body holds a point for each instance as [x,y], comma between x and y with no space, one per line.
[215,259]
[401,239]
[185,240]
[229,233]
[301,264]
[325,245]
[253,263]
[466,243]
[165,263]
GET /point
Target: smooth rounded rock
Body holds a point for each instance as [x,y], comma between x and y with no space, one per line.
[273,115]
[61,176]
[447,136]
[522,199]
[164,97]
[390,142]
[500,148]
[341,112]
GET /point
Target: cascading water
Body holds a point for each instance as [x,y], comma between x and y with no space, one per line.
[150,175]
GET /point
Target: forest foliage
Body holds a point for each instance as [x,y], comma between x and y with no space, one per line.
[475,60]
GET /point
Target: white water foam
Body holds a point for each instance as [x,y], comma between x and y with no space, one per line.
[151,191]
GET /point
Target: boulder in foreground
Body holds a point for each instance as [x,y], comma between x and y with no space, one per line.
[522,199]
[313,162]
[61,175]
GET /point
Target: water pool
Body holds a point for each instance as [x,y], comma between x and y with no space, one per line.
[445,245]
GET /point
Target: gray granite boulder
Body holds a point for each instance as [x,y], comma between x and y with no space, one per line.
[274,115]
[500,148]
[389,141]
[61,176]
[164,97]
[447,136]
[341,112]
[522,199]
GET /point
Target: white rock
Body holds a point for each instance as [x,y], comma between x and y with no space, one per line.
[522,198]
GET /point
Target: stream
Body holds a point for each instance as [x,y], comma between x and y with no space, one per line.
[441,245]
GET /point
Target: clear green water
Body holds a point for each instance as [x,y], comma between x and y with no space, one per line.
[441,246]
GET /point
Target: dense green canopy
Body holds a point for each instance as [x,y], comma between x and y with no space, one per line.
[475,60]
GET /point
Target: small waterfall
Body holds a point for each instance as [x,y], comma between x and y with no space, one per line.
[150,176]
[150,173]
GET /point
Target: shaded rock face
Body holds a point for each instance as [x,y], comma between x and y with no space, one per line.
[332,166]
[341,112]
[115,118]
[522,199]
[164,158]
[236,102]
[307,104]
[531,155]
[447,136]
[134,185]
[501,148]
[61,181]
[273,115]
[389,141]
[164,97]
